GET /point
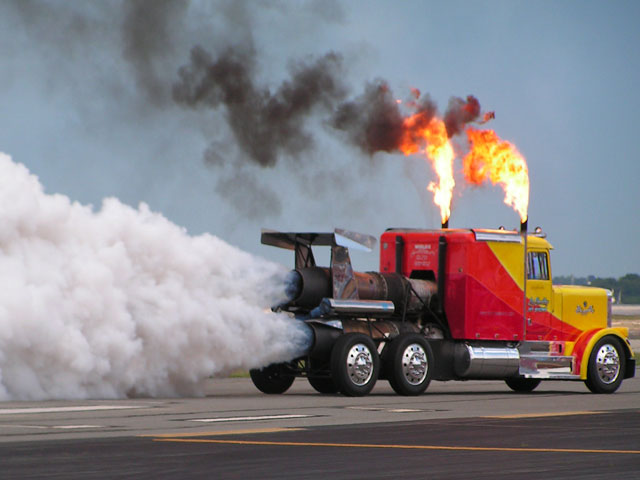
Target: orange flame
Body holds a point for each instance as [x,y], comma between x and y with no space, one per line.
[489,158]
[500,162]
[419,128]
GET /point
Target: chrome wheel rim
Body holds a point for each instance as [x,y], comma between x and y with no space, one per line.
[608,364]
[360,364]
[414,364]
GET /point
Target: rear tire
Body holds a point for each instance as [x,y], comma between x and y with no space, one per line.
[409,364]
[323,385]
[319,376]
[522,385]
[273,379]
[354,364]
[605,370]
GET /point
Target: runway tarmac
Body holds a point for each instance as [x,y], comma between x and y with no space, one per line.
[456,430]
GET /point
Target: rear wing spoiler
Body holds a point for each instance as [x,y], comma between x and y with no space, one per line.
[301,242]
[343,238]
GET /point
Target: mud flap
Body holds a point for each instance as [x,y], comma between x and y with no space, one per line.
[630,368]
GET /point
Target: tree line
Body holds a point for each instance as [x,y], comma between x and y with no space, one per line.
[625,289]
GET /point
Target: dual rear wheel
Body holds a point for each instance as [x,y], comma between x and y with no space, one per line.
[355,365]
[409,364]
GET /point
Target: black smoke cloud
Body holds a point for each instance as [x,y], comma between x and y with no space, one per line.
[148,29]
[178,56]
[459,113]
[374,122]
[265,124]
[145,60]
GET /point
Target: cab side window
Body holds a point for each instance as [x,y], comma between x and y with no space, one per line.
[537,266]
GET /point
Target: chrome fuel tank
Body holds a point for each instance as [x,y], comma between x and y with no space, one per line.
[476,362]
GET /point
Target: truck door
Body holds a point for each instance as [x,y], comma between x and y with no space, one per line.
[539,324]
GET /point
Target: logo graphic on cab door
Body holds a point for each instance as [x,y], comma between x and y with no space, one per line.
[538,304]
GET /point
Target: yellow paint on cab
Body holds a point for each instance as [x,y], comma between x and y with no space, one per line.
[511,256]
[584,308]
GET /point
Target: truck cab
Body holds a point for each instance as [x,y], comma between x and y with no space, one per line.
[493,292]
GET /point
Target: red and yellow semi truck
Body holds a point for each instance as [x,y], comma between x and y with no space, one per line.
[447,304]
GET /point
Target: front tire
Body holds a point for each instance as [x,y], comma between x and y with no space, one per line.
[273,379]
[409,364]
[354,364]
[522,385]
[605,370]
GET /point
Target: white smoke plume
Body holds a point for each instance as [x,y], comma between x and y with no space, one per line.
[122,302]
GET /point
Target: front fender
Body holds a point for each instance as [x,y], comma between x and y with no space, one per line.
[585,343]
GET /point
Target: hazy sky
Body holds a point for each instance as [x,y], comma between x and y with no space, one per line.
[89,103]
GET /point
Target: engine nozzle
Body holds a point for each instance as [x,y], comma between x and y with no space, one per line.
[307,287]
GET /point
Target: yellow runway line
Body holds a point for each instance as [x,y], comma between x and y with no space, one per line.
[402,447]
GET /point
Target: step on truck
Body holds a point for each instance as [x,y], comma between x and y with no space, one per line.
[447,304]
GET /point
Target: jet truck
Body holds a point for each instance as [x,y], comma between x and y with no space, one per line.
[446,304]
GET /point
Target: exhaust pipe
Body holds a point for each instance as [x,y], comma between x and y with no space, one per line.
[399,257]
[442,258]
[332,306]
[523,231]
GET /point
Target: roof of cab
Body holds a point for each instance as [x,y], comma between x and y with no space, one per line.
[536,239]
